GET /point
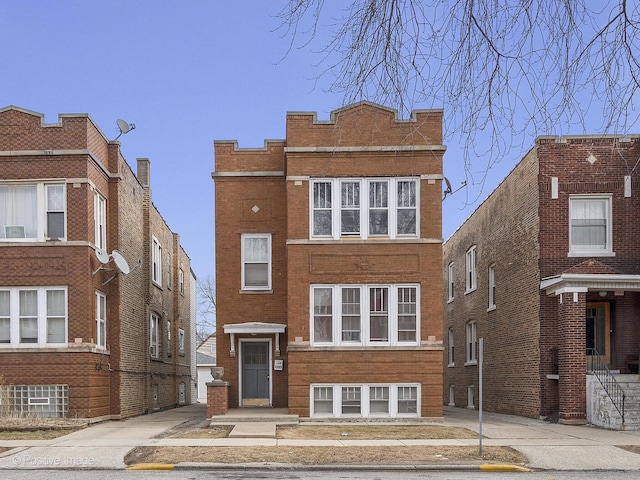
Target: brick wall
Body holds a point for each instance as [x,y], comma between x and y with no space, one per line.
[504,231]
[115,381]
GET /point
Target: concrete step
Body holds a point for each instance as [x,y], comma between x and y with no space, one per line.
[254,430]
[279,416]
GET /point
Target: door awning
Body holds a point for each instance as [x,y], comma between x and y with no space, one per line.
[585,282]
[254,327]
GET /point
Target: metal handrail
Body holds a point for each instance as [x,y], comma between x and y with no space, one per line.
[598,367]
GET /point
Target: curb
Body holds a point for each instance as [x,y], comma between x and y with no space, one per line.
[339,467]
[504,467]
[151,466]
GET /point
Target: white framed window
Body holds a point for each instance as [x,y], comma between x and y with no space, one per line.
[154,336]
[351,315]
[181,281]
[156,262]
[471,282]
[365,314]
[452,395]
[100,220]
[256,261]
[322,210]
[181,341]
[350,221]
[101,319]
[492,287]
[366,207]
[33,316]
[32,212]
[55,211]
[408,400]
[590,231]
[169,349]
[450,282]
[379,400]
[451,360]
[472,342]
[365,400]
[470,390]
[351,403]
[322,401]
[169,272]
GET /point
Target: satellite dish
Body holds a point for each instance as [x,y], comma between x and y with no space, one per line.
[102,255]
[124,127]
[120,262]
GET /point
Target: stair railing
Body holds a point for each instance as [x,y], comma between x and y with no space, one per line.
[597,366]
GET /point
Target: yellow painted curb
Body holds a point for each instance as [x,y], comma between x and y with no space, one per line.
[151,466]
[498,467]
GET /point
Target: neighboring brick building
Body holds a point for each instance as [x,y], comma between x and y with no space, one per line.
[328,261]
[79,335]
[546,268]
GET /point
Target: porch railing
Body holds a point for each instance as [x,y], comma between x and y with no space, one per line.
[597,366]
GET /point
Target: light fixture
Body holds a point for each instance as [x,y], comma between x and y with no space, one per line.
[602,294]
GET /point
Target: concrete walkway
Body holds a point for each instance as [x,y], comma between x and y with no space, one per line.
[546,445]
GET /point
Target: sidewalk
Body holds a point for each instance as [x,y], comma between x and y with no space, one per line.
[547,446]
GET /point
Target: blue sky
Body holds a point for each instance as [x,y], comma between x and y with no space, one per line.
[185,73]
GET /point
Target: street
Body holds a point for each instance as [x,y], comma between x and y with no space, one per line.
[199,474]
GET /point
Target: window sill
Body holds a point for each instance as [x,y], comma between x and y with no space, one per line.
[491,308]
[259,292]
[451,365]
[597,253]
[156,284]
[450,300]
[471,290]
[471,363]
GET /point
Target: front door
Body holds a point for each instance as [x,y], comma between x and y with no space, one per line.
[255,374]
[598,328]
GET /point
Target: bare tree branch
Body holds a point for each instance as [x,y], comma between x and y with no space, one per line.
[504,71]
[206,308]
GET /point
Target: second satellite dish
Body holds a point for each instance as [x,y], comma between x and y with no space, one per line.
[120,262]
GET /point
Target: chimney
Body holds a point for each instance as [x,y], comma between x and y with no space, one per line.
[143,171]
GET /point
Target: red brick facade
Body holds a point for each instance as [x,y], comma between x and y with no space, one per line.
[269,191]
[114,377]
[549,286]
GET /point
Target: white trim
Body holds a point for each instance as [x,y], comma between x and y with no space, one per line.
[255,327]
[583,282]
[368,149]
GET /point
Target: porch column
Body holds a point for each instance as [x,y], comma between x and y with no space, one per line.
[572,357]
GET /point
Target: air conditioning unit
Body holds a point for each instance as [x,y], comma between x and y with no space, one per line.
[14,231]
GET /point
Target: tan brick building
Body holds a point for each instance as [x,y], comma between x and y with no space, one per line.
[546,271]
[95,289]
[328,265]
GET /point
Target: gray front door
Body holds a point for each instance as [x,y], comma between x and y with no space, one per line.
[255,373]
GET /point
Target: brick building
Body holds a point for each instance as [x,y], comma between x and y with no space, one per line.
[547,272]
[328,260]
[95,289]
